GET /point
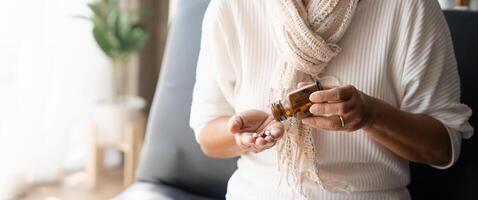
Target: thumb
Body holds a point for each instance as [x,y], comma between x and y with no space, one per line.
[235,124]
[303,84]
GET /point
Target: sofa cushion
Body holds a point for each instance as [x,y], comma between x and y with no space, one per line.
[154,191]
[171,154]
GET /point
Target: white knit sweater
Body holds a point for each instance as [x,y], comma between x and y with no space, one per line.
[399,51]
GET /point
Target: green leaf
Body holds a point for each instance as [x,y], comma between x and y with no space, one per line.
[96,9]
[102,41]
[136,39]
[122,27]
[111,19]
[117,31]
[83,17]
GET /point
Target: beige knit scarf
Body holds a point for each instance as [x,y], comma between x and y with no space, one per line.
[306,35]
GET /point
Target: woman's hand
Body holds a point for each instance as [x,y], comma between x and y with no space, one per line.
[424,139]
[255,130]
[339,109]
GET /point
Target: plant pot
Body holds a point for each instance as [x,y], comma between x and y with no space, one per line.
[111,117]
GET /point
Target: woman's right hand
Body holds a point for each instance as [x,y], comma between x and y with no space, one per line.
[248,124]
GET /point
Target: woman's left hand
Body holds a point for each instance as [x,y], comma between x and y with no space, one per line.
[342,108]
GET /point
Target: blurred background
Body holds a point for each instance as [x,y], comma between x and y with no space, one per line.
[53,76]
[77,79]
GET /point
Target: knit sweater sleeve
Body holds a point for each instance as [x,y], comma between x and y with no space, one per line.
[215,76]
[430,81]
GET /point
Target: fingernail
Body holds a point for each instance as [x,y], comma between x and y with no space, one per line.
[276,130]
[305,121]
[255,135]
[313,107]
[312,97]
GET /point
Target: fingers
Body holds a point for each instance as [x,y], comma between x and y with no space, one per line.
[351,122]
[352,109]
[303,84]
[269,139]
[263,143]
[260,142]
[332,123]
[235,124]
[335,94]
[339,108]
[248,141]
[255,131]
[277,132]
[247,121]
[239,142]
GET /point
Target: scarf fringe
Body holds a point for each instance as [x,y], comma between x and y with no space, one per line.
[306,36]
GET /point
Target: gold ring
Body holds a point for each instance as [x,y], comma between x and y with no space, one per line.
[342,121]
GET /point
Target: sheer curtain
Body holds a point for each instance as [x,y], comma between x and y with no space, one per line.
[51,74]
[172,8]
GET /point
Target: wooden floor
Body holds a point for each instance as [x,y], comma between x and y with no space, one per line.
[73,187]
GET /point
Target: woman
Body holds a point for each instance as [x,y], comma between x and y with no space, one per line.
[391,95]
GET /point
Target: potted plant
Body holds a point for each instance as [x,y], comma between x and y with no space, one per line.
[118,33]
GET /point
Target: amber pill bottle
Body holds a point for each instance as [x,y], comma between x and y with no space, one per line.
[295,104]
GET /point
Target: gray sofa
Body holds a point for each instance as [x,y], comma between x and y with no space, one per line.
[173,167]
